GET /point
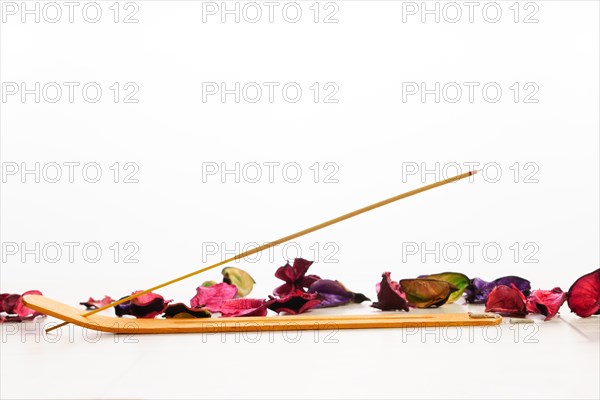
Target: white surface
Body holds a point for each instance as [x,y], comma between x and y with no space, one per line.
[370,136]
[556,359]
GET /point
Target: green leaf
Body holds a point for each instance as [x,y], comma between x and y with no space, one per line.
[239,278]
[423,292]
[461,281]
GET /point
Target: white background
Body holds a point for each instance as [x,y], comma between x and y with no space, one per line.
[370,137]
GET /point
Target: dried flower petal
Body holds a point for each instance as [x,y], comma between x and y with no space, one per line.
[423,293]
[9,301]
[211,297]
[460,281]
[584,295]
[479,290]
[240,279]
[333,293]
[93,304]
[12,308]
[295,277]
[295,303]
[243,307]
[180,310]
[546,302]
[20,308]
[507,300]
[389,295]
[148,305]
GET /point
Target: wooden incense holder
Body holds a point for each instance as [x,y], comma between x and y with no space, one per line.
[251,324]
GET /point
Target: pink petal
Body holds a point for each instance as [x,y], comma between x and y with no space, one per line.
[211,297]
[546,302]
[243,307]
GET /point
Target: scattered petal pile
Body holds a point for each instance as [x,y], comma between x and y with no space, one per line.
[301,292]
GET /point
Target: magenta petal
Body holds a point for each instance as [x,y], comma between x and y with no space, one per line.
[506,300]
[243,307]
[390,296]
[9,301]
[546,302]
[584,295]
[20,308]
[295,303]
[295,277]
[211,297]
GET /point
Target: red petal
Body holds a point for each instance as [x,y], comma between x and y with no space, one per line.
[211,297]
[9,301]
[389,295]
[584,295]
[546,302]
[506,300]
[20,308]
[286,273]
[285,290]
[301,266]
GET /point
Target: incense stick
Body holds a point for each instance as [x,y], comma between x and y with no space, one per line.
[279,241]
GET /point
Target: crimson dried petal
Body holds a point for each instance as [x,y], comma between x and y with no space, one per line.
[389,295]
[93,304]
[9,301]
[546,302]
[333,293]
[584,295]
[180,310]
[507,300]
[243,307]
[295,277]
[12,308]
[148,305]
[294,303]
[211,297]
[21,310]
